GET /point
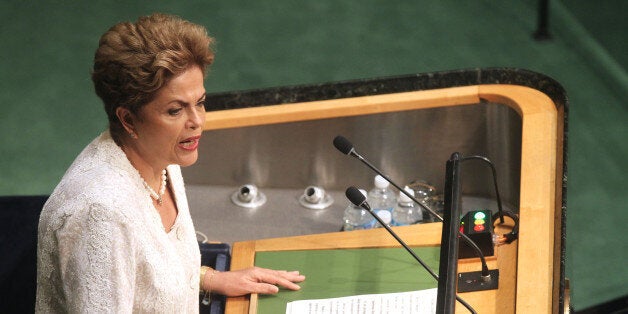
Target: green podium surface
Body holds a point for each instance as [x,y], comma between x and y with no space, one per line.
[347,272]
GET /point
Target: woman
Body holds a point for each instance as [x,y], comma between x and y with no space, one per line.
[116,234]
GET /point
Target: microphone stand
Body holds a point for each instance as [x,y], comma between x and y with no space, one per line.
[448,265]
[451,225]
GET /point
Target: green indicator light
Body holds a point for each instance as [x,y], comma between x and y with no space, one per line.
[479,215]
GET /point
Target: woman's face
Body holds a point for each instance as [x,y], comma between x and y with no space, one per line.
[170,126]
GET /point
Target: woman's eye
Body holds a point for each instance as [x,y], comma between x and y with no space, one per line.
[201,104]
[174,112]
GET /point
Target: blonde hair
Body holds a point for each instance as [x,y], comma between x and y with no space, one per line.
[134,60]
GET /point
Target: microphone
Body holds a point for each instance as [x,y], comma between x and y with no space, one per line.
[358,199]
[347,148]
[344,146]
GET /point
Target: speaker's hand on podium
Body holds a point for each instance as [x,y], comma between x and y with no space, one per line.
[254,280]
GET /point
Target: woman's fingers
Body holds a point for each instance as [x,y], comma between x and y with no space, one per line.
[264,288]
[282,278]
[255,280]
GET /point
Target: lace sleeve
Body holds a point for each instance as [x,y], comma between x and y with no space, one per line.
[97,262]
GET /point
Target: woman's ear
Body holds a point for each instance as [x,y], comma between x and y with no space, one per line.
[127,119]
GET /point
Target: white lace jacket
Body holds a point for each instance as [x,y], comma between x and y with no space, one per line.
[102,247]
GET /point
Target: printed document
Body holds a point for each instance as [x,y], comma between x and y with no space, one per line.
[413,302]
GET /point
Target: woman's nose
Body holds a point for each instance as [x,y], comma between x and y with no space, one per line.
[196,119]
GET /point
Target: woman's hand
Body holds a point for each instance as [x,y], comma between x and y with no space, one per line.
[253,280]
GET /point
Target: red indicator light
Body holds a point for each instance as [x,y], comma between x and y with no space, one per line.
[478,228]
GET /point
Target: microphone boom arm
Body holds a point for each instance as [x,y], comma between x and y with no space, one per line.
[465,238]
[416,257]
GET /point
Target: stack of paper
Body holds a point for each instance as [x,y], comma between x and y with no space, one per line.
[413,302]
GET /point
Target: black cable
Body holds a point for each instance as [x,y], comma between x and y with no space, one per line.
[514,234]
[499,200]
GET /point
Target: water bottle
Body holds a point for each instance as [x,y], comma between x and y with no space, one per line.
[357,218]
[382,199]
[425,193]
[406,212]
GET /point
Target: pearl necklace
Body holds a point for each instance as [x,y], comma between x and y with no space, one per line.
[162,188]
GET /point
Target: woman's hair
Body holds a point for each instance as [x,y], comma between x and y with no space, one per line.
[134,60]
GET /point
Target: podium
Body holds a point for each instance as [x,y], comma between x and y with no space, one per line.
[531,268]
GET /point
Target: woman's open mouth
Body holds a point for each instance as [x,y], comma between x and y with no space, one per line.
[190,143]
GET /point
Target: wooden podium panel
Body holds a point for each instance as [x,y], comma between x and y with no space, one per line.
[529,268]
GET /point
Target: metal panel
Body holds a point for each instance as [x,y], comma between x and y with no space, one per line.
[405,145]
